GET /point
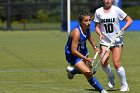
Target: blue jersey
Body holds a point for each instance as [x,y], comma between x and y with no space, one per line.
[72,59]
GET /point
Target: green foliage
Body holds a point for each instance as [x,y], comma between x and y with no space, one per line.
[42,15]
[28,1]
[49,16]
[133,11]
[50,10]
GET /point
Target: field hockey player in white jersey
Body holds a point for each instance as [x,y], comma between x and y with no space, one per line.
[107,24]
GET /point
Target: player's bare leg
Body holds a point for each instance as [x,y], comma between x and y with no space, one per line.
[71,71]
[85,70]
[117,52]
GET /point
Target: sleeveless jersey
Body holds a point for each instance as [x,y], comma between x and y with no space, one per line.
[81,46]
[109,24]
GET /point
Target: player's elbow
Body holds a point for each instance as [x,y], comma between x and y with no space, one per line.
[73,51]
[130,21]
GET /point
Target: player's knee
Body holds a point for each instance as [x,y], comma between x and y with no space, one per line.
[88,75]
[104,62]
[117,65]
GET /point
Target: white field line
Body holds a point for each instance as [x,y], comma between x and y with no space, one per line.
[36,85]
[29,70]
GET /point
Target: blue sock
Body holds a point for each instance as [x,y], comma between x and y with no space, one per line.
[75,71]
[96,84]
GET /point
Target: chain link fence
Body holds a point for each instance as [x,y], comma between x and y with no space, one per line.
[40,14]
[29,15]
[45,14]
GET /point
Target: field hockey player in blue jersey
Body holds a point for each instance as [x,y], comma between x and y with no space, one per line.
[77,53]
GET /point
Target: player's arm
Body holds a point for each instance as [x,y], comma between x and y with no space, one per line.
[92,41]
[128,23]
[75,35]
[93,44]
[97,29]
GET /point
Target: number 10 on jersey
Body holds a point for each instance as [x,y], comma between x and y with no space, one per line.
[108,28]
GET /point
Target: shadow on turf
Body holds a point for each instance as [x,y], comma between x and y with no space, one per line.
[90,89]
[107,90]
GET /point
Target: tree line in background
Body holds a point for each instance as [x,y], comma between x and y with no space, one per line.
[29,10]
[47,10]
[50,10]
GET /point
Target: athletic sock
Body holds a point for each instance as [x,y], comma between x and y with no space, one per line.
[108,70]
[75,71]
[96,84]
[122,76]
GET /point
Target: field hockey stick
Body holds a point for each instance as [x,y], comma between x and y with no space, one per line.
[94,58]
[95,68]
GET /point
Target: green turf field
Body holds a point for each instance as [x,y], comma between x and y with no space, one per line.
[34,62]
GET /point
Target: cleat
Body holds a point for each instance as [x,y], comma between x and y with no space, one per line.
[70,75]
[104,91]
[111,83]
[124,88]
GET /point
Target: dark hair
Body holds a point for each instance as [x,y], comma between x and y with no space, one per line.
[83,13]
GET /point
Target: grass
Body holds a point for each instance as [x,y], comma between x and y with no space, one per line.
[34,62]
[30,26]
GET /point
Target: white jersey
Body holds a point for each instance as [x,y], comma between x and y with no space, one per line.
[109,24]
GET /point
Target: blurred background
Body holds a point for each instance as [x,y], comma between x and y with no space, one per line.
[33,34]
[52,14]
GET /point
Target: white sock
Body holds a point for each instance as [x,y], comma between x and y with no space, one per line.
[108,70]
[122,76]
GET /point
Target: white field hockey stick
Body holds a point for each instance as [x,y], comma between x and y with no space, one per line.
[95,68]
[94,58]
